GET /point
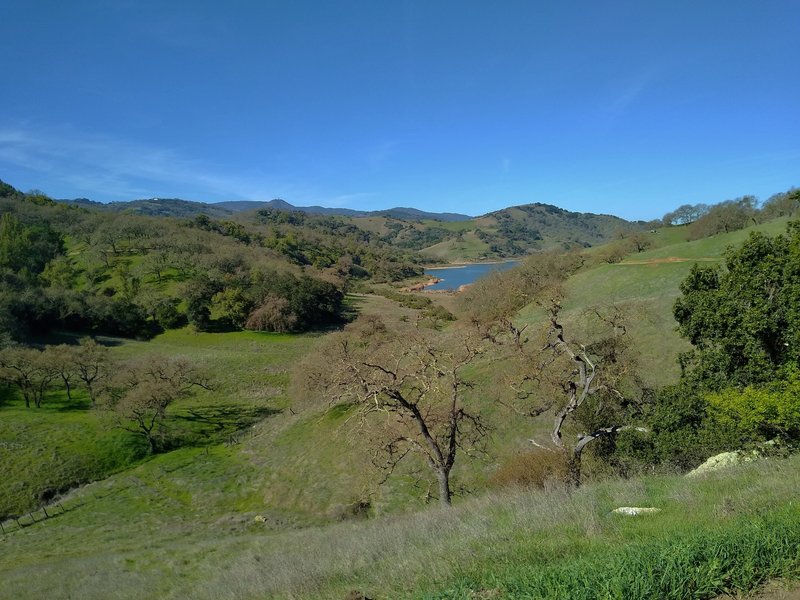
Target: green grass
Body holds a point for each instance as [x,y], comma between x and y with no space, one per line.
[468,248]
[246,367]
[181,524]
[155,532]
[48,450]
[63,443]
[675,243]
[646,285]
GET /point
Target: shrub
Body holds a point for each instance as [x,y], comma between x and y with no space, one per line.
[274,314]
[531,468]
[757,413]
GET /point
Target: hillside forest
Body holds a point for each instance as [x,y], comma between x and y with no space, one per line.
[262,365]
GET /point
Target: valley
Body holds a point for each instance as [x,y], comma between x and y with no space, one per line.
[264,481]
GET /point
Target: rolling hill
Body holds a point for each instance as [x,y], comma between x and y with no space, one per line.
[257,514]
[439,237]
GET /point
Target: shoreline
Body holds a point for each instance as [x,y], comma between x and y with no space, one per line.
[420,287]
[460,265]
[433,279]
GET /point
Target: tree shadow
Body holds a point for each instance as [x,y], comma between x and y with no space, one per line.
[217,423]
[71,338]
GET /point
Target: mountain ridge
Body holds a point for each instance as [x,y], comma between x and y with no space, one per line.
[178,207]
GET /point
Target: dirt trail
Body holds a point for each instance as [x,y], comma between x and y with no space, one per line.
[668,259]
[774,590]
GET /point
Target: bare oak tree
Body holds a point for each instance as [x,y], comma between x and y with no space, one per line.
[29,371]
[92,364]
[491,303]
[141,392]
[590,383]
[407,387]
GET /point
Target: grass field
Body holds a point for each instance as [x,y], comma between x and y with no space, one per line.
[464,249]
[646,285]
[183,523]
[150,534]
[65,443]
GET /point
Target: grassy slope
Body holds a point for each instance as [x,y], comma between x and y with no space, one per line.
[646,285]
[555,227]
[295,469]
[147,534]
[65,443]
[468,248]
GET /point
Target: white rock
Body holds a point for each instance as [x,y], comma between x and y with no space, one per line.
[634,511]
[723,461]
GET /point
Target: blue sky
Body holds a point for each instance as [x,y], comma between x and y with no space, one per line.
[630,108]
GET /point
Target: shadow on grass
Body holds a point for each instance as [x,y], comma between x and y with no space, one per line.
[76,404]
[73,338]
[218,423]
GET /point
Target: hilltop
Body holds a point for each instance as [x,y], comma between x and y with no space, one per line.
[176,207]
[439,237]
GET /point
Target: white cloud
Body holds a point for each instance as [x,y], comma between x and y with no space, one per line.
[66,162]
[110,168]
[628,92]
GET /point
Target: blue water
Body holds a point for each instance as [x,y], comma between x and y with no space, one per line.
[454,277]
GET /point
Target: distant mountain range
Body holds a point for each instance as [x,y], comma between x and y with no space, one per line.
[449,237]
[175,207]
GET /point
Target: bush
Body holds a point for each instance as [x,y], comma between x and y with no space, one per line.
[531,469]
[273,315]
[757,413]
[167,315]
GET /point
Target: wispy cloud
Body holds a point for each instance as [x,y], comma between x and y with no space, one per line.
[111,169]
[70,163]
[627,92]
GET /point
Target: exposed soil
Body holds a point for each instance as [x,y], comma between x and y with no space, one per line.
[774,590]
[668,259]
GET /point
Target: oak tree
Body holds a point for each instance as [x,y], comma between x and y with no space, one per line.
[406,386]
[141,392]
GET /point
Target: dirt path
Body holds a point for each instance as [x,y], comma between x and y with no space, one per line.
[775,590]
[669,259]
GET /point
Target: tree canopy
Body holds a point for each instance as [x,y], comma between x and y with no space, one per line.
[743,320]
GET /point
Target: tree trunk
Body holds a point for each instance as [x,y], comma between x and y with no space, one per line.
[574,467]
[444,487]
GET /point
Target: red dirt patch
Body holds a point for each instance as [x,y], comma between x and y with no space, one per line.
[669,259]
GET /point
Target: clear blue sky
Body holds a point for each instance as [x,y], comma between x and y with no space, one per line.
[630,108]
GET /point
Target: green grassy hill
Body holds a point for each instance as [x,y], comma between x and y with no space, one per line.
[266,493]
[519,230]
[514,231]
[311,468]
[65,443]
[173,529]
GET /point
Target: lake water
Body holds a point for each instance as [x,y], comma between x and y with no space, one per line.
[453,278]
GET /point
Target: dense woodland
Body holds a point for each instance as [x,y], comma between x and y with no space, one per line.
[70,268]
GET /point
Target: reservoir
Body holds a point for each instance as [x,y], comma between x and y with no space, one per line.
[453,278]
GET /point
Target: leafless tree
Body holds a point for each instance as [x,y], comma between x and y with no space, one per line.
[141,392]
[406,386]
[60,360]
[29,371]
[92,364]
[590,384]
[491,304]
